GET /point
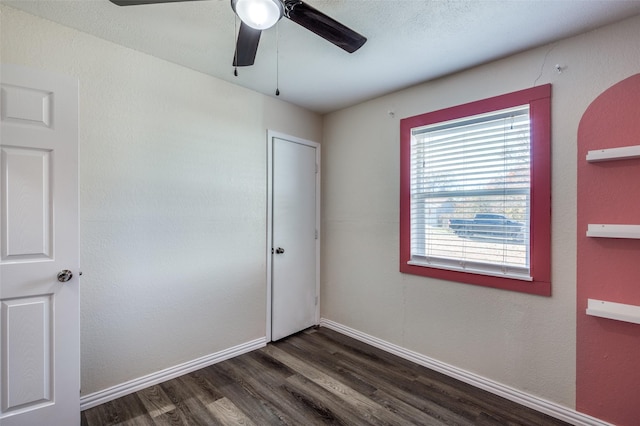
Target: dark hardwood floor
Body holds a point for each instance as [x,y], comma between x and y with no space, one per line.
[312,378]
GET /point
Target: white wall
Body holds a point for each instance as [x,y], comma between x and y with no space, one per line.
[172,201]
[523,341]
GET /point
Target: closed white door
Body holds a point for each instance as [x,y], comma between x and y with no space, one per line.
[294,237]
[39,260]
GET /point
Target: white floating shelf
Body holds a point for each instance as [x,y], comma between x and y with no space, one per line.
[613,231]
[622,153]
[612,310]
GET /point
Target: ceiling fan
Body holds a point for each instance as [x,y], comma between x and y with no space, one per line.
[258,15]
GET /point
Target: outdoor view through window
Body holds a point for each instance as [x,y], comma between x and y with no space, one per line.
[470,194]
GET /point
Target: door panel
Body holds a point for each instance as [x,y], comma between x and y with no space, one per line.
[294,261]
[27,336]
[28,218]
[39,315]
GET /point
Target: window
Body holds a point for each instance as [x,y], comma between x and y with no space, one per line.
[475,192]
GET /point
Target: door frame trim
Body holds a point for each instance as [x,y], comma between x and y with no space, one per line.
[271,134]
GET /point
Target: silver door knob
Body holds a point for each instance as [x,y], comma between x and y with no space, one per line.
[64,275]
[279,250]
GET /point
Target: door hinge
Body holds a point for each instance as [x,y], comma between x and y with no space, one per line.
[316,234]
[317,168]
[316,301]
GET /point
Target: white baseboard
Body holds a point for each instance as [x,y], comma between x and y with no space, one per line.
[552,409]
[109,394]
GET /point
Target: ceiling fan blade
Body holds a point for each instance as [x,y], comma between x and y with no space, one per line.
[247,46]
[138,2]
[324,26]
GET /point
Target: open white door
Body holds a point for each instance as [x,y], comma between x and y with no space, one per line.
[39,256]
[294,189]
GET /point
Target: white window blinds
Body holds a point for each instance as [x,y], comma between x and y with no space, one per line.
[470,194]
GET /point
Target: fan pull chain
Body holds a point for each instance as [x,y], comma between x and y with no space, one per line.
[278,59]
[235,44]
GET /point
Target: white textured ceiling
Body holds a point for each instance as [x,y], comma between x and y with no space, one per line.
[409,41]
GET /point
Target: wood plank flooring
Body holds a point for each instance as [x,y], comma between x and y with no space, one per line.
[315,377]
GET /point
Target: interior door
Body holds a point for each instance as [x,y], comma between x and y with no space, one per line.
[295,244]
[39,260]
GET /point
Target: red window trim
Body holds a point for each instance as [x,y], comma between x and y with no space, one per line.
[539,100]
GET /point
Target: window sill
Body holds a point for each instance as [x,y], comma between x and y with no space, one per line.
[531,286]
[470,270]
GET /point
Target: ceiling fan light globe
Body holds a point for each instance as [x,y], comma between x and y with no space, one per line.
[258,14]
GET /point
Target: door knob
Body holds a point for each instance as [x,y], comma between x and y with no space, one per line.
[64,275]
[279,250]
